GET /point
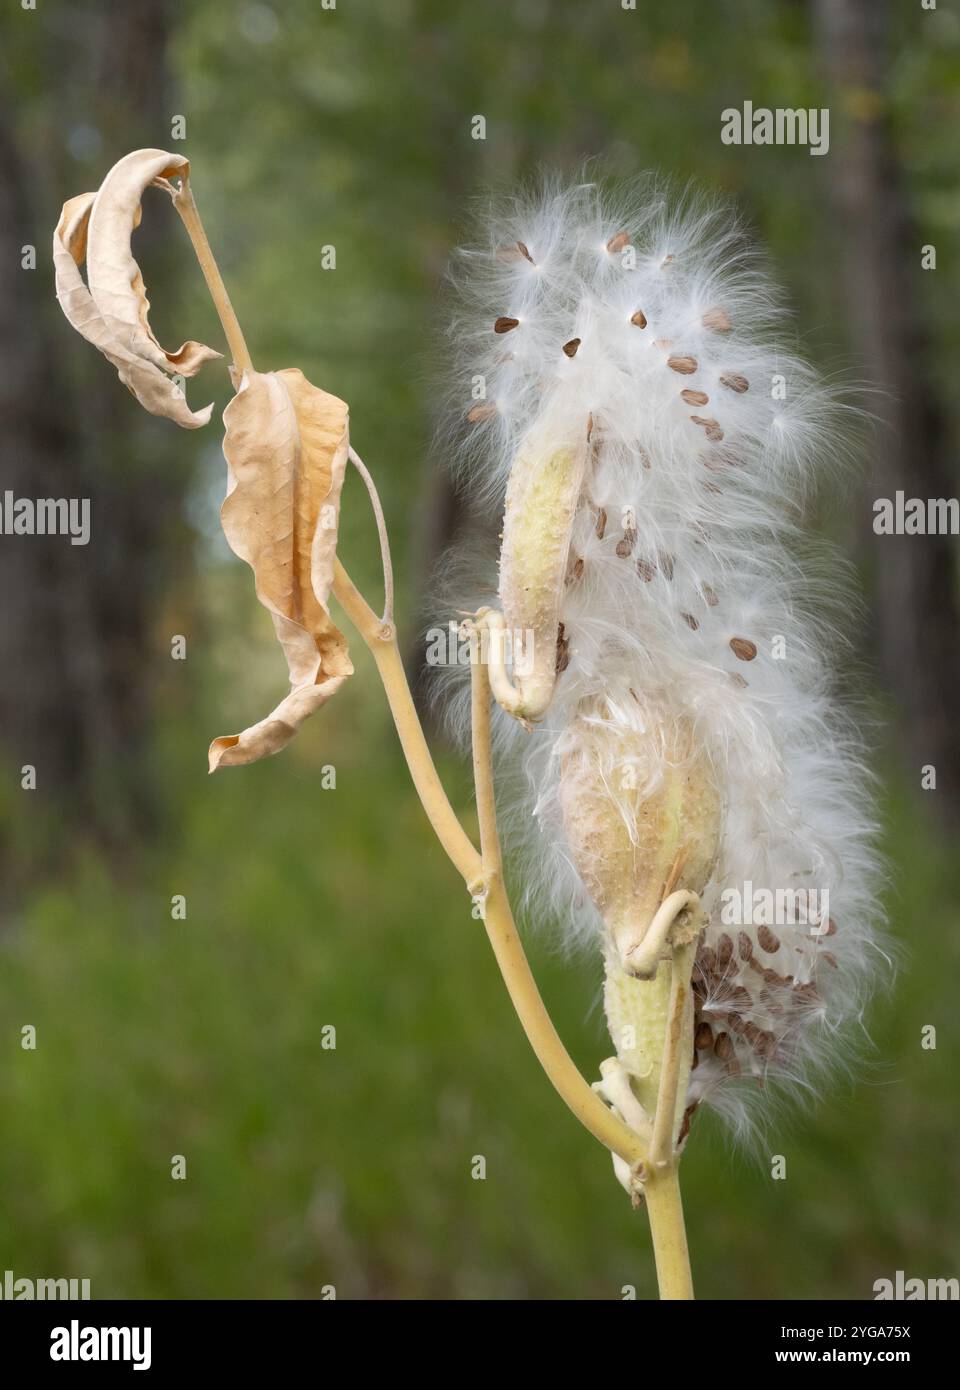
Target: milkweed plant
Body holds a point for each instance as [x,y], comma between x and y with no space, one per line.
[654,653]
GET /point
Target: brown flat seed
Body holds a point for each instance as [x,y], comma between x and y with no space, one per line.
[830,958]
[514,252]
[570,349]
[703,1038]
[578,568]
[618,241]
[481,412]
[643,456]
[724,950]
[707,959]
[831,927]
[709,425]
[769,941]
[709,596]
[686,366]
[723,1047]
[639,319]
[766,1043]
[771,977]
[690,621]
[737,679]
[625,545]
[723,458]
[663,343]
[601,523]
[745,945]
[666,563]
[645,570]
[504,325]
[743,648]
[718,319]
[694,397]
[563,651]
[589,426]
[735,382]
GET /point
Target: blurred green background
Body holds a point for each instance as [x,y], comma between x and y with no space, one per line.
[309,1166]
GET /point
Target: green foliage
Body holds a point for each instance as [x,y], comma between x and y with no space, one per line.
[308,1166]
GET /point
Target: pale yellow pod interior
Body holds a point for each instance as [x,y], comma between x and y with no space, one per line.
[542,497]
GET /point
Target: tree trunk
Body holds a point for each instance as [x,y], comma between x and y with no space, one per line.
[915,580]
[75,624]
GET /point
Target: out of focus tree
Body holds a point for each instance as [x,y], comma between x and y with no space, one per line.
[914,577]
[80,87]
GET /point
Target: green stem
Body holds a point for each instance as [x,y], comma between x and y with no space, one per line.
[665,1209]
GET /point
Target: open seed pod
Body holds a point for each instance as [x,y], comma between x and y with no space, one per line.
[641,814]
[541,502]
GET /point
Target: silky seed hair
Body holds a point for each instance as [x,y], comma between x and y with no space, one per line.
[645,324]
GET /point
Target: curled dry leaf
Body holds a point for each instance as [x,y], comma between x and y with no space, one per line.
[286,448]
[111,309]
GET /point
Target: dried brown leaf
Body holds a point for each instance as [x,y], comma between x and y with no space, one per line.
[111,309]
[286,448]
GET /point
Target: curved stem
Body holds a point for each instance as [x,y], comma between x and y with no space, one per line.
[381,638]
[644,958]
[507,696]
[375,503]
[184,203]
[543,1037]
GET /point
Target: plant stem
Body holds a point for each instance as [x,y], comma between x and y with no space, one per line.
[543,1037]
[184,203]
[482,872]
[677,1054]
[664,1207]
[381,638]
[378,516]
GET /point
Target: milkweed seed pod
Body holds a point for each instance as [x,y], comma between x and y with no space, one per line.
[693,624]
[641,815]
[543,493]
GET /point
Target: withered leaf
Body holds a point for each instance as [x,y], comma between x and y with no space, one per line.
[286,448]
[111,309]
